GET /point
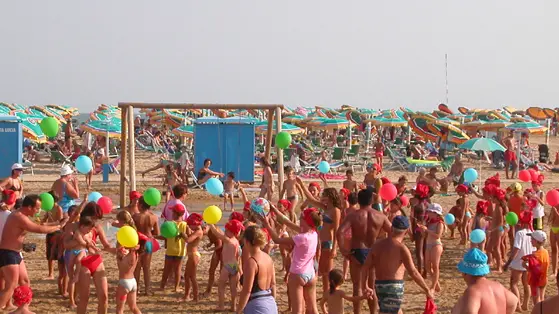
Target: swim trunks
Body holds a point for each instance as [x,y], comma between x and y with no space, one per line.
[9,257]
[360,255]
[390,295]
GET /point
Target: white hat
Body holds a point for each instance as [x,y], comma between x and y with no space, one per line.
[539,236]
[17,166]
[435,208]
[66,170]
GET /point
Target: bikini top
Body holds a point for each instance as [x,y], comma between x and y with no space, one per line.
[326,219]
[13,188]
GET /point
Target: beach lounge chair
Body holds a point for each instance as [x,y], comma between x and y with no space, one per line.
[28,166]
[398,161]
[195,181]
[353,152]
[339,154]
[57,157]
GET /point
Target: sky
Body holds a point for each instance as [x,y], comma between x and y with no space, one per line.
[366,53]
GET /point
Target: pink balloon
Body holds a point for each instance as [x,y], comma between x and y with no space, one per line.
[388,192]
[106,204]
[405,200]
[155,245]
[552,197]
[524,176]
[533,175]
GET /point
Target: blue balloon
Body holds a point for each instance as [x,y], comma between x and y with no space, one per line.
[449,219]
[94,197]
[84,164]
[470,175]
[214,187]
[323,167]
[477,236]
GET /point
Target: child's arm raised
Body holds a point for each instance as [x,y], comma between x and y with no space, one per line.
[218,233]
[274,235]
[310,198]
[282,219]
[243,194]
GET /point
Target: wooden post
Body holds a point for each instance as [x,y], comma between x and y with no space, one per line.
[131,147]
[123,136]
[269,134]
[279,151]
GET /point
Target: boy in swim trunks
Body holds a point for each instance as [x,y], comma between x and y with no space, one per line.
[194,236]
[230,261]
[290,187]
[147,223]
[127,259]
[349,183]
[379,151]
[389,259]
[228,189]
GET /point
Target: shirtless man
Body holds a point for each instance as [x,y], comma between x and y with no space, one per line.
[146,223]
[365,225]
[17,225]
[482,295]
[456,170]
[388,261]
[379,151]
[290,187]
[510,155]
[432,176]
[132,208]
[549,305]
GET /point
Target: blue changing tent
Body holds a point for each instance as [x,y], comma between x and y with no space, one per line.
[11,137]
[228,142]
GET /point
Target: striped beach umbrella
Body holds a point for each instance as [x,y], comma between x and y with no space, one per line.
[526,127]
[30,127]
[184,131]
[334,124]
[110,128]
[262,127]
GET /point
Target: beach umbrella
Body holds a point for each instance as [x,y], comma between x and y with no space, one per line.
[262,128]
[388,122]
[293,119]
[184,131]
[301,111]
[538,113]
[354,116]
[526,127]
[494,125]
[334,124]
[482,144]
[419,125]
[472,125]
[457,135]
[30,127]
[313,121]
[448,120]
[109,128]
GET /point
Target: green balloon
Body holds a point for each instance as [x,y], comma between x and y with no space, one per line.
[511,218]
[283,140]
[49,126]
[152,196]
[47,201]
[169,229]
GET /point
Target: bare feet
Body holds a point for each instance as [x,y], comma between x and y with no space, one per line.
[206,294]
[51,277]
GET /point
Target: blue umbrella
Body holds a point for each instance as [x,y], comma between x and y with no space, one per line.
[482,144]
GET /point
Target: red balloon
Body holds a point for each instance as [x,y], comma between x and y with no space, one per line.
[552,197]
[405,200]
[106,204]
[524,176]
[533,175]
[388,192]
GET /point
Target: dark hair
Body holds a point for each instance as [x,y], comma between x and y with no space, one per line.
[396,201]
[335,278]
[92,210]
[231,174]
[288,169]
[142,205]
[30,200]
[352,198]
[365,197]
[71,209]
[333,196]
[54,196]
[180,189]
[206,160]
[402,178]
[86,221]
[264,161]
[18,204]
[348,172]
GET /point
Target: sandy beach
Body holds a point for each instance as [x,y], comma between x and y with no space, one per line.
[46,299]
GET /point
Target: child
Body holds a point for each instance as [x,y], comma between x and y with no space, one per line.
[89,175]
[481,221]
[171,179]
[336,297]
[216,257]
[395,209]
[147,224]
[454,211]
[176,249]
[22,299]
[349,183]
[314,189]
[533,204]
[433,244]
[194,236]
[290,187]
[228,187]
[463,207]
[537,274]
[284,207]
[127,259]
[401,186]
[229,260]
[83,237]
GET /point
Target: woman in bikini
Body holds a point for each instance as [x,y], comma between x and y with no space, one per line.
[259,277]
[92,265]
[330,205]
[13,182]
[205,173]
[433,245]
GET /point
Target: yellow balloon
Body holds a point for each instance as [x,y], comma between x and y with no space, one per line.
[212,215]
[127,237]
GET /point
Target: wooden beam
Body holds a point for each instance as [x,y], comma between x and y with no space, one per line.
[279,152]
[269,134]
[131,147]
[142,105]
[123,155]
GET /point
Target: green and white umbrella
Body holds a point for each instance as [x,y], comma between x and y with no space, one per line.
[262,127]
[109,128]
[482,144]
[527,127]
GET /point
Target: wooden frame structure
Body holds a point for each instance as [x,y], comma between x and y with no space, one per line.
[128,136]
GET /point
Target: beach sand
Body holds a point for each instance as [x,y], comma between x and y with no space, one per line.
[46,299]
